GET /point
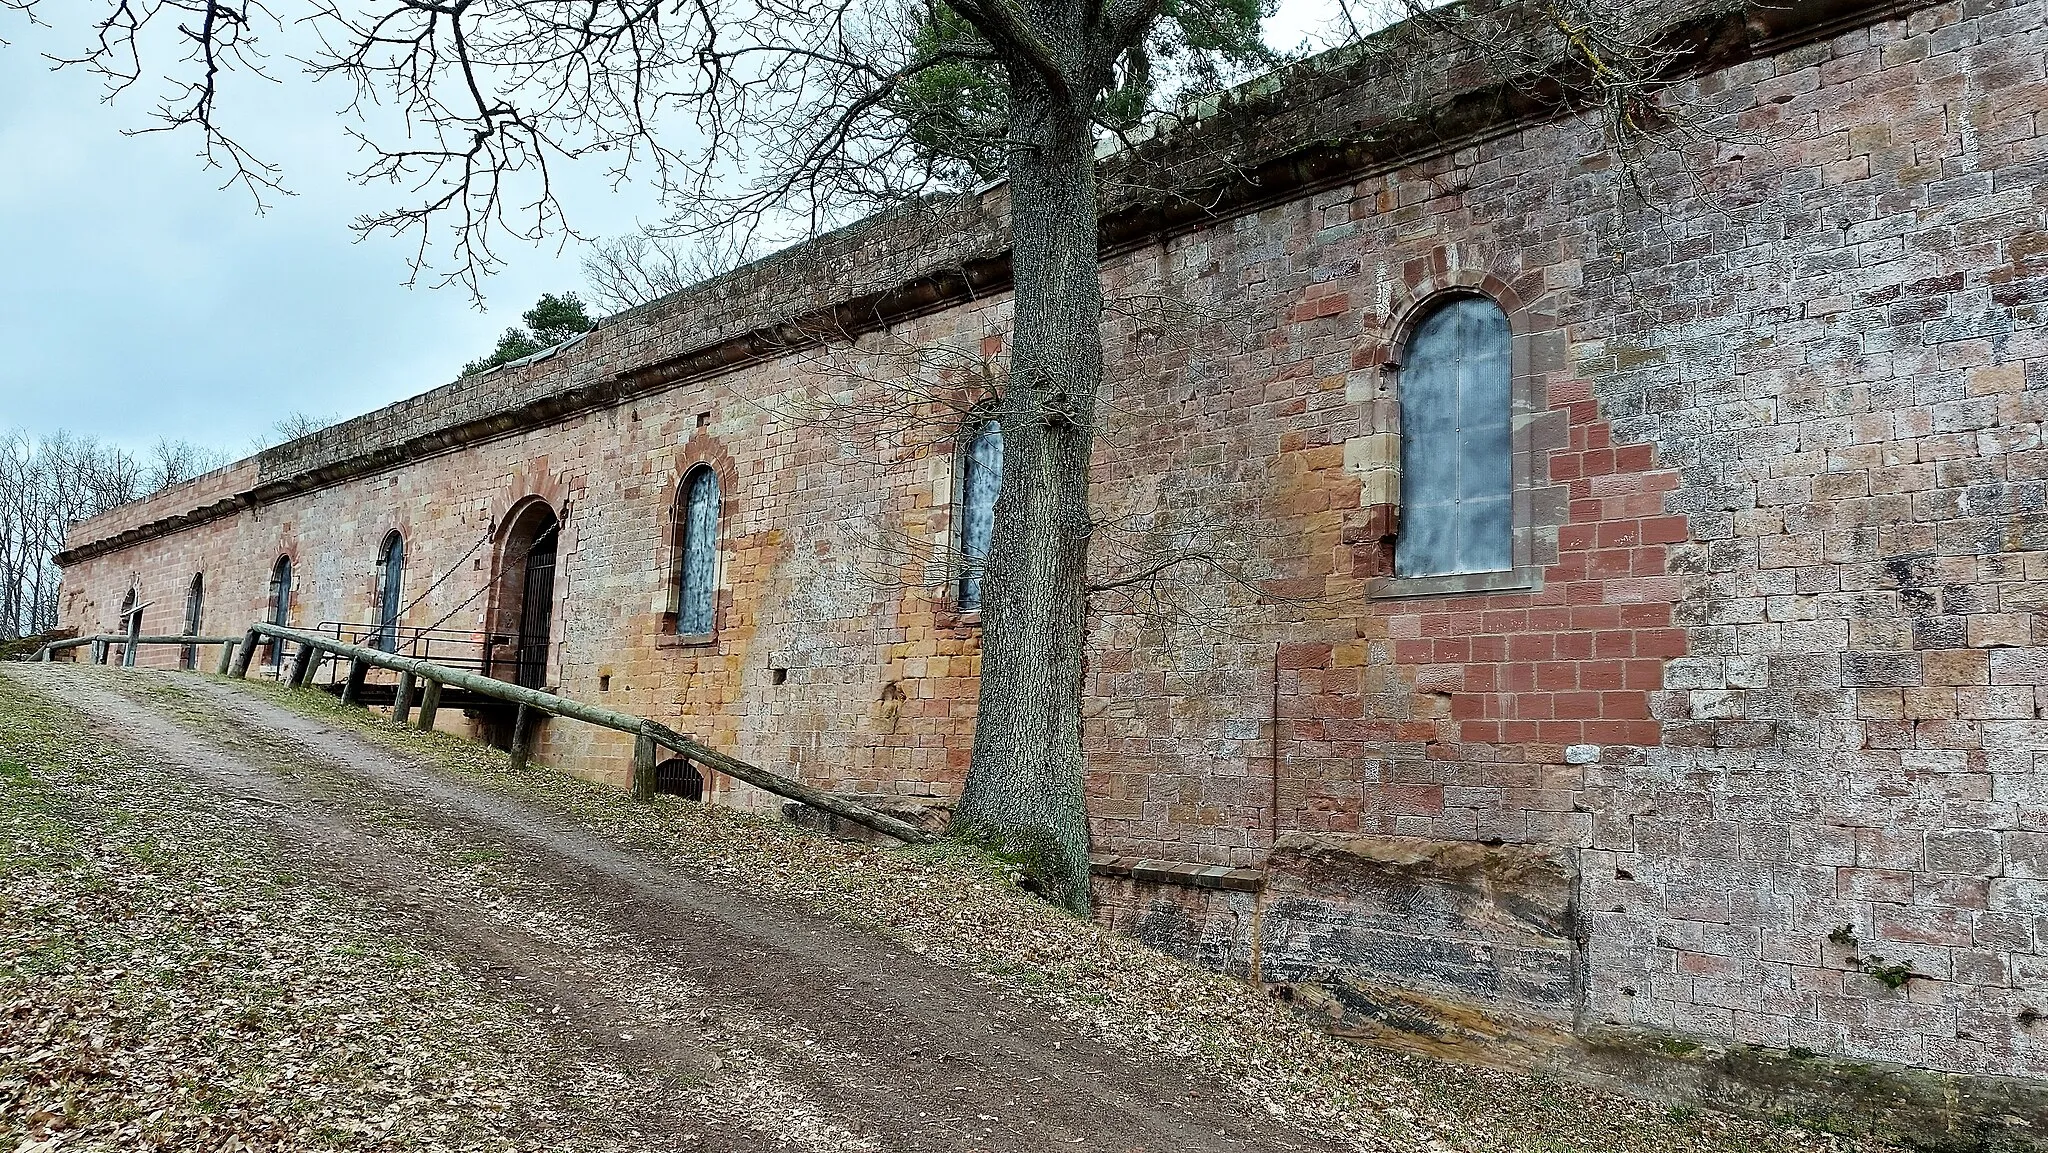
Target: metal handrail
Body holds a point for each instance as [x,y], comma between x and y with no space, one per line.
[647,734]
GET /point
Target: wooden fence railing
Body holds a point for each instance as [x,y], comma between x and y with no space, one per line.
[103,642]
[426,679]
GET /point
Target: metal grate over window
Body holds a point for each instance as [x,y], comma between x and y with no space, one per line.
[1457,506]
[679,778]
[699,575]
[981,481]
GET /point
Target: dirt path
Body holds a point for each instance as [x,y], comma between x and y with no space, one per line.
[733,1008]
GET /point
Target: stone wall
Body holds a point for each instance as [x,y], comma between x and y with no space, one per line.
[1769,685]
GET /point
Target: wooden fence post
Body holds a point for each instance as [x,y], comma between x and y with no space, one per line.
[245,654]
[430,704]
[643,766]
[227,659]
[302,663]
[522,736]
[357,669]
[401,704]
[99,652]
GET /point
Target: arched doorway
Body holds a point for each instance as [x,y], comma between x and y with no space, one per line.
[526,594]
[195,611]
[390,587]
[131,627]
[280,613]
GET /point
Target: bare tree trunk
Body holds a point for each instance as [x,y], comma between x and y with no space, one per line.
[1024,793]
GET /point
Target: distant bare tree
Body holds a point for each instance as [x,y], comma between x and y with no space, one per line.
[641,267]
[177,461]
[291,427]
[46,486]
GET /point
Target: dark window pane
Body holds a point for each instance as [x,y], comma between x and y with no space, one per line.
[982,481]
[700,553]
[1456,476]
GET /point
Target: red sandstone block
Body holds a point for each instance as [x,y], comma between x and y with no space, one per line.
[1489,649]
[1577,705]
[1532,707]
[1561,732]
[1617,534]
[1555,675]
[1566,465]
[1596,429]
[1608,564]
[1619,644]
[1517,731]
[1414,652]
[1472,706]
[1664,530]
[1530,647]
[1634,457]
[1504,622]
[1550,619]
[1645,616]
[1647,562]
[1624,705]
[1596,616]
[1597,462]
[1647,675]
[1586,592]
[1660,642]
[1603,674]
[1480,732]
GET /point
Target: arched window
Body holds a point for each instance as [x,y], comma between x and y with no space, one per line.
[981,479]
[280,603]
[1457,489]
[697,556]
[390,588]
[195,609]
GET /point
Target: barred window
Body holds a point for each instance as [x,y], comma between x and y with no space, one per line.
[697,568]
[981,480]
[1457,505]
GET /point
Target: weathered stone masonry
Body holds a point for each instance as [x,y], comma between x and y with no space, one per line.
[1761,708]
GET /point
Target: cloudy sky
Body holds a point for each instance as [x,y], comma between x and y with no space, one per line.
[141,300]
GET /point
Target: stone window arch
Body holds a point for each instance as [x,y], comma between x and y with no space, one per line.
[697,516]
[981,480]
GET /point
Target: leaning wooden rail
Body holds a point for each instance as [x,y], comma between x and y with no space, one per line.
[647,734]
[100,642]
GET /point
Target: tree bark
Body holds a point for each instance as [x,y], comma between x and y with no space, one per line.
[1024,796]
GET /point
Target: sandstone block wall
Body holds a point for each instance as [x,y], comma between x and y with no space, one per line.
[1770,678]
